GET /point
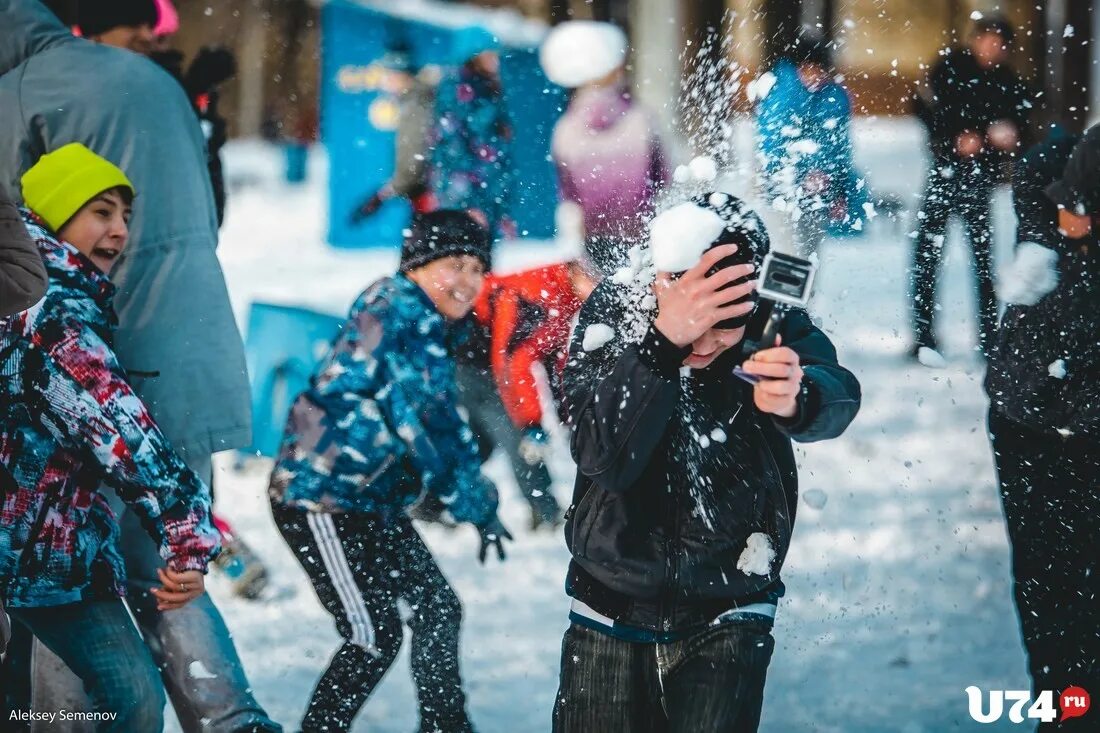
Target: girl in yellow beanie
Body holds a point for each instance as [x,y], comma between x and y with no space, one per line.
[70,422]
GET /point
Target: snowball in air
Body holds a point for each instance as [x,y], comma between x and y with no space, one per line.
[931,358]
[703,168]
[758,88]
[578,52]
[1057,369]
[680,236]
[758,555]
[682,174]
[596,335]
[815,498]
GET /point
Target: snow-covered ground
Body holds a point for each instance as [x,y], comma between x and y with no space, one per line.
[898,579]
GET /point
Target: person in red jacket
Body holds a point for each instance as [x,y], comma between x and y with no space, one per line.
[523,324]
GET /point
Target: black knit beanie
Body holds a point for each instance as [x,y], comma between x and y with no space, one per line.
[441,234]
[744,228]
[99,16]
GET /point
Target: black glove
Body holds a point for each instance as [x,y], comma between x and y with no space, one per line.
[211,67]
[492,533]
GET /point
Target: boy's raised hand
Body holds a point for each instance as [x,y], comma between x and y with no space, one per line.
[692,303]
[178,588]
[781,371]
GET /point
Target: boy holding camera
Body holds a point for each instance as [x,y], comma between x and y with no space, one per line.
[686,486]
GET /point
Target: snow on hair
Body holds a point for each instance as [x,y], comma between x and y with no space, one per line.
[579,52]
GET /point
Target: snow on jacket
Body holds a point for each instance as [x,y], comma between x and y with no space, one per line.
[1044,370]
[528,316]
[471,165]
[960,95]
[610,161]
[22,274]
[379,420]
[177,337]
[799,131]
[674,472]
[69,422]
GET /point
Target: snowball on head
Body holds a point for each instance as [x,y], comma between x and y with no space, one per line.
[679,236]
[579,52]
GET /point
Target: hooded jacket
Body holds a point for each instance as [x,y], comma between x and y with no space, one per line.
[22,274]
[69,422]
[610,160]
[675,472]
[177,337]
[1044,371]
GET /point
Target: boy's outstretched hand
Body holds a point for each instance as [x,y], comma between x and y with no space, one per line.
[178,588]
[777,392]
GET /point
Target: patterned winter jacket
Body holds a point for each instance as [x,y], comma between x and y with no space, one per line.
[70,422]
[379,421]
[471,163]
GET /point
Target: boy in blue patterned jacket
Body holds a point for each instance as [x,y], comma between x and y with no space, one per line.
[376,427]
[70,422]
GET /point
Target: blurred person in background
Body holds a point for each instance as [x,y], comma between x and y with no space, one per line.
[471,138]
[1044,413]
[804,144]
[415,92]
[606,148]
[177,337]
[975,107]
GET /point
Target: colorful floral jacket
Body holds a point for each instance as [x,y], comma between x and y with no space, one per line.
[69,422]
[471,165]
[379,421]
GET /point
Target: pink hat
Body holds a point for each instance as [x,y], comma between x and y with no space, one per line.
[168,20]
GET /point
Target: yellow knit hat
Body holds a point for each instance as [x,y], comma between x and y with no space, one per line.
[61,182]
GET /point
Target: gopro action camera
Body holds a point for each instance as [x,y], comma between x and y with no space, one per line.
[785,282]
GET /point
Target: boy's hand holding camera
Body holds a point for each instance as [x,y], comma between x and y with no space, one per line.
[691,304]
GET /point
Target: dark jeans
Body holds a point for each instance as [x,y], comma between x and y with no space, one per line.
[492,427]
[99,643]
[359,568]
[1050,487]
[953,190]
[713,681]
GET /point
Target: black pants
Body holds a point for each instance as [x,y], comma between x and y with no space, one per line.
[1050,487]
[360,568]
[712,682]
[961,191]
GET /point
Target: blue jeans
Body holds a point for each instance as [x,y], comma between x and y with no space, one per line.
[223,702]
[99,643]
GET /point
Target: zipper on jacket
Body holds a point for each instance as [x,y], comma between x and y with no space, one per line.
[672,568]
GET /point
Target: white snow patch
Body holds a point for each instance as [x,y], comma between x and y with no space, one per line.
[703,168]
[805,146]
[758,555]
[198,671]
[682,174]
[596,335]
[869,210]
[680,236]
[831,123]
[1057,369]
[976,15]
[760,87]
[931,358]
[718,435]
[1068,32]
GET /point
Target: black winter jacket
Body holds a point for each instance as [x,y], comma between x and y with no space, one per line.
[22,273]
[675,473]
[1064,325]
[961,96]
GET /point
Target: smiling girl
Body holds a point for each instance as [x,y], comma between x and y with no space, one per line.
[69,422]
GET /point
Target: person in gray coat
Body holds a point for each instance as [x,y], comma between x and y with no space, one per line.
[176,337]
[22,274]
